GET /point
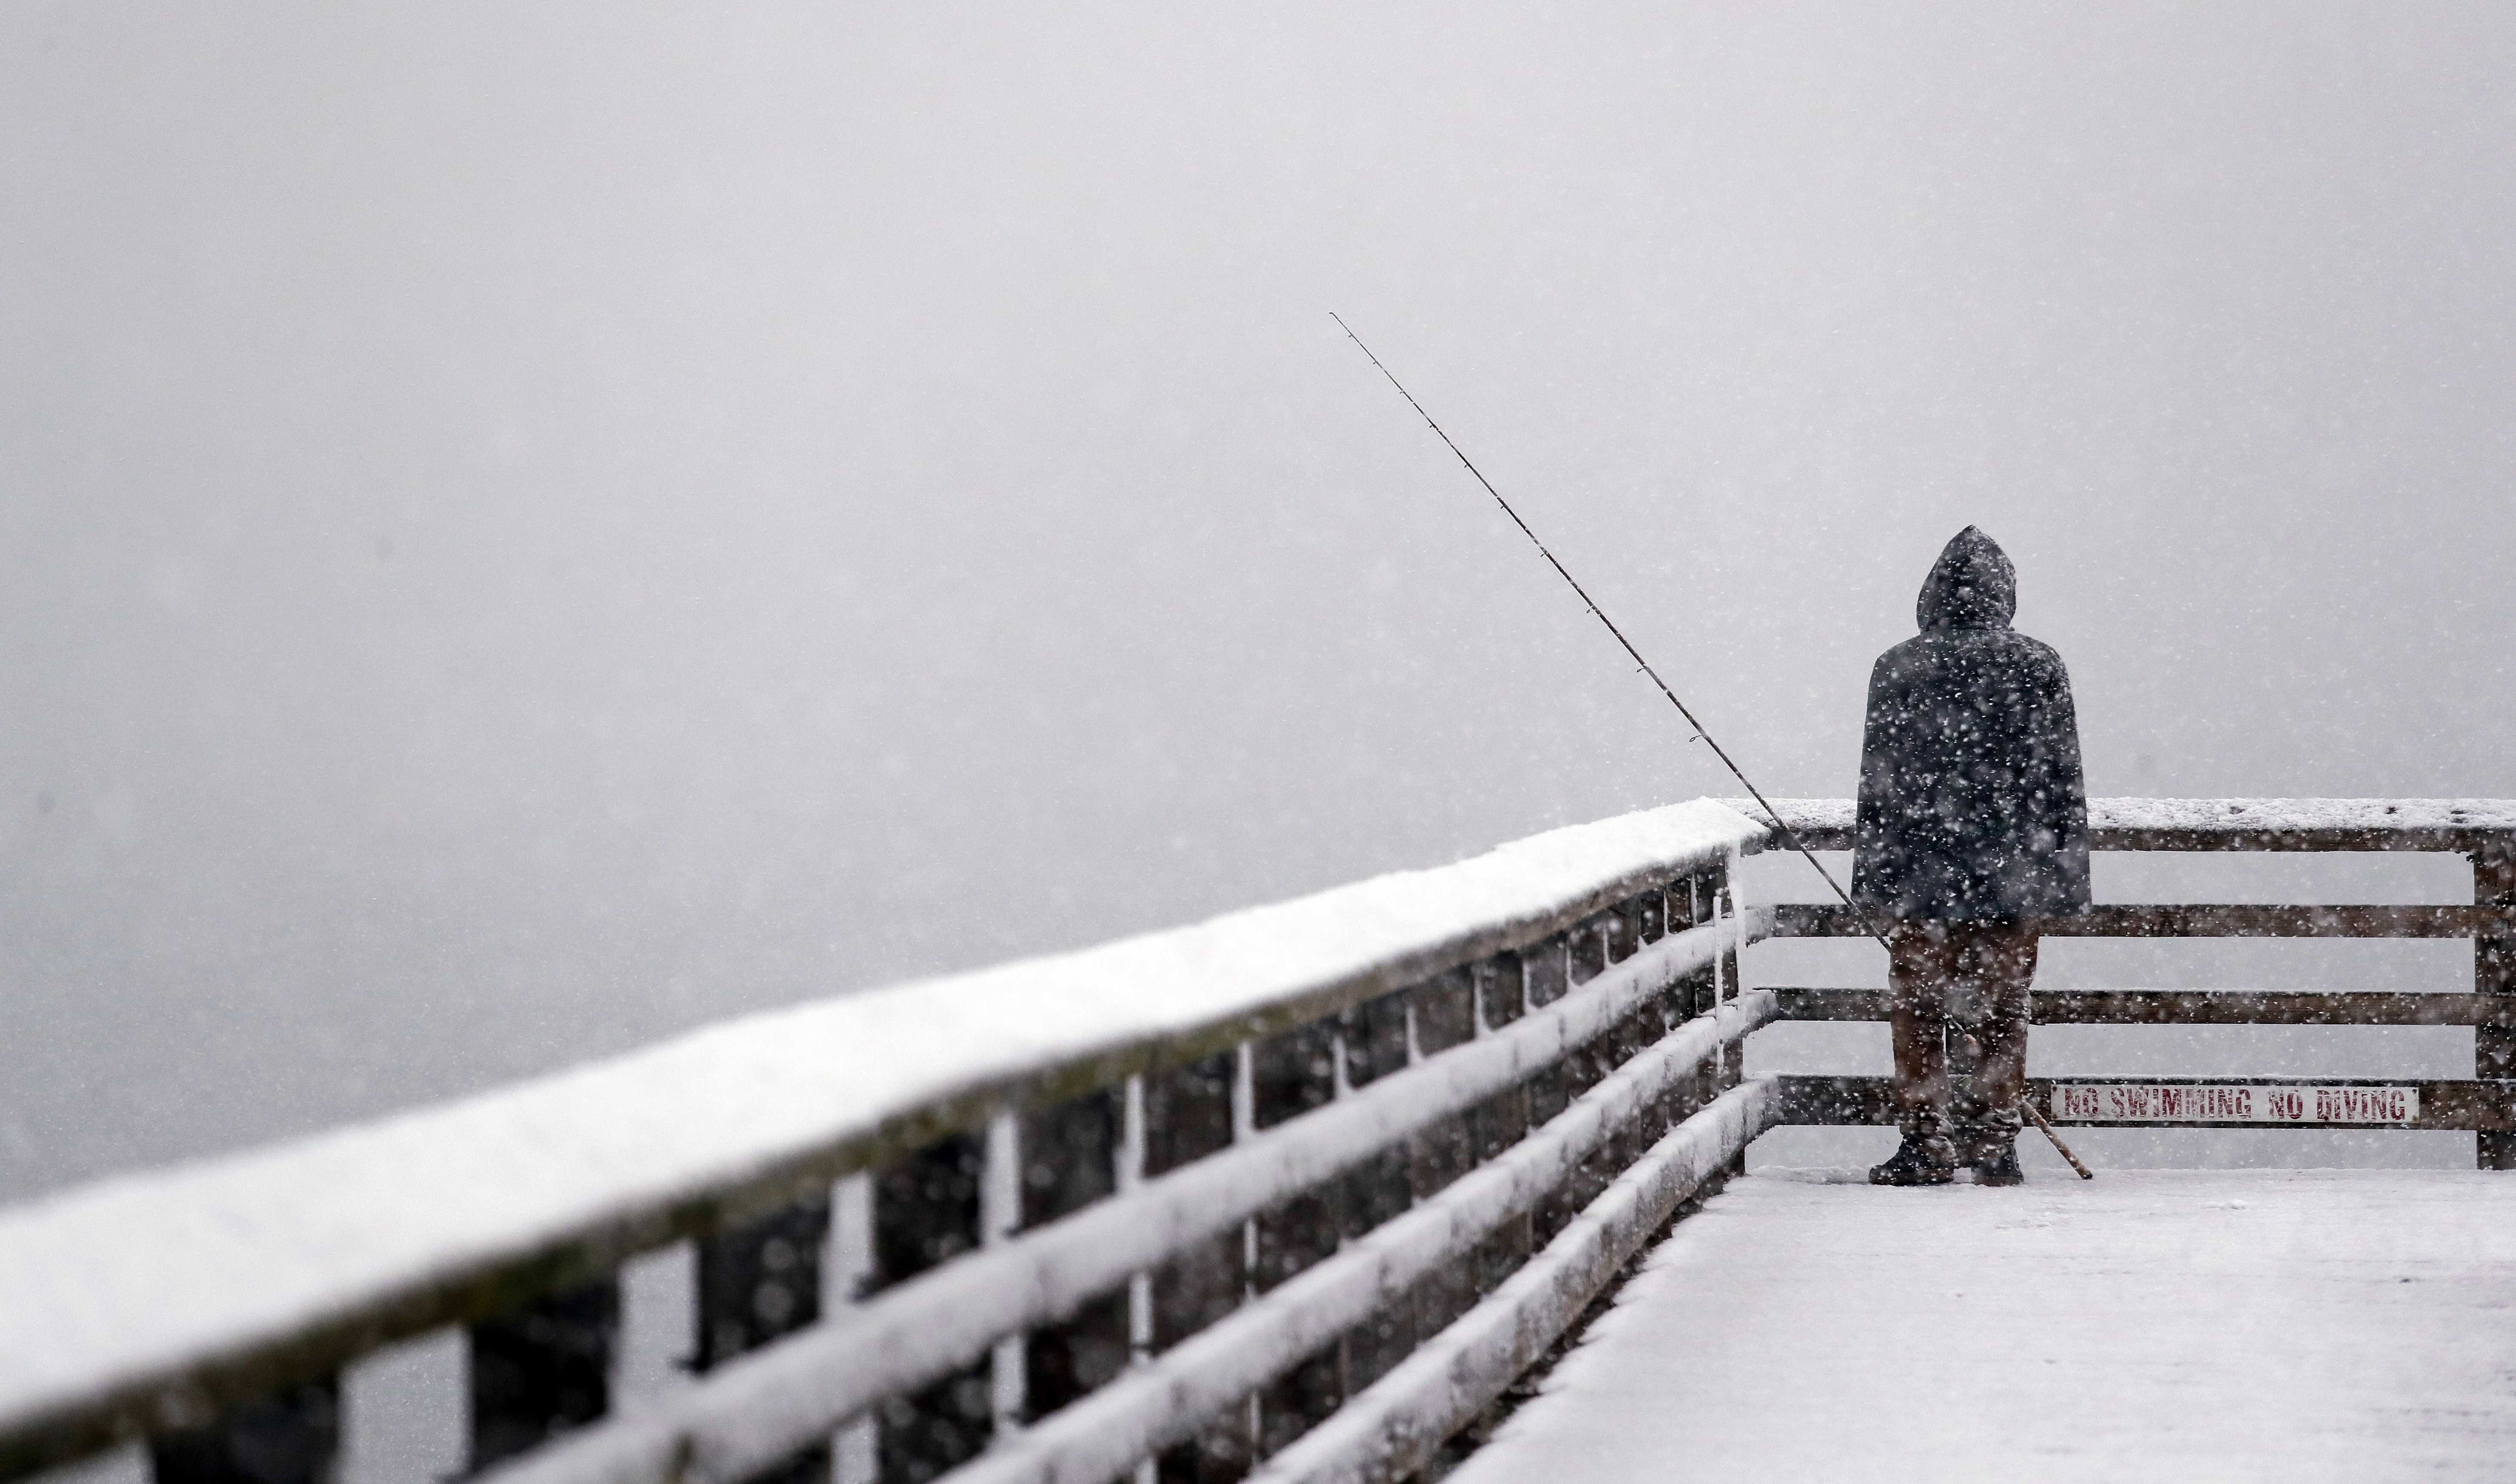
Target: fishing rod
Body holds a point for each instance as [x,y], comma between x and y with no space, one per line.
[1790,837]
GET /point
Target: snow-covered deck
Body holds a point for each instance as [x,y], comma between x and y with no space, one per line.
[2165,1324]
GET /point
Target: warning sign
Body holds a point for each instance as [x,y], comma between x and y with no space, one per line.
[2232,1103]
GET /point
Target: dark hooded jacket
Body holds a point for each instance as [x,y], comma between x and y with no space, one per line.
[1972,806]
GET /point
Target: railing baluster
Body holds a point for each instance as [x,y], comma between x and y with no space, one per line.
[1245,1126]
[1727,970]
[1706,987]
[1000,1192]
[2493,972]
[1129,1176]
[855,1456]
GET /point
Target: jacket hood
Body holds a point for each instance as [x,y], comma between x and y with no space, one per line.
[1972,586]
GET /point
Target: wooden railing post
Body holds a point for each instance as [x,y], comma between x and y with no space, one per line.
[2493,972]
[1129,1176]
[1000,1202]
[542,1370]
[1730,973]
[1703,991]
[1726,968]
[291,1437]
[855,1455]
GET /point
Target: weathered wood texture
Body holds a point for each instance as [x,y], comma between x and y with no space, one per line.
[2452,1104]
[2196,1006]
[2224,824]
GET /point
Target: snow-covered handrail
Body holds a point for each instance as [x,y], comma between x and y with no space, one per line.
[163,1301]
[768,1406]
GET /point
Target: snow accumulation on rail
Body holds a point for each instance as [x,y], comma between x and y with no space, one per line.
[140,1279]
[2311,1324]
[2140,823]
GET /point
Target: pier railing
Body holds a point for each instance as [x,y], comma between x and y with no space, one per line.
[2481,831]
[1292,1195]
[1295,1192]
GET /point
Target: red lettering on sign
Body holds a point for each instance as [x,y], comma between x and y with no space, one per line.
[2234,1104]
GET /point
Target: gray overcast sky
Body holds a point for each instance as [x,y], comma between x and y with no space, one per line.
[525,526]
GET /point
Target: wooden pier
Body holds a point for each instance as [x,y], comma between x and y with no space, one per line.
[1304,1193]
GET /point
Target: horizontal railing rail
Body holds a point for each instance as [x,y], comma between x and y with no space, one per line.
[1033,1175]
[2194,1006]
[2201,920]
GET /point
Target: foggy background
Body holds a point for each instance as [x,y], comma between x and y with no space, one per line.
[526,527]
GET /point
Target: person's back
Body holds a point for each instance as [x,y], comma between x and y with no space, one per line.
[1972,827]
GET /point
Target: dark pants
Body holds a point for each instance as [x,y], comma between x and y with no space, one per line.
[1966,983]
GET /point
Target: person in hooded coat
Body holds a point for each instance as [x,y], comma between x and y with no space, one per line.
[1972,829]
